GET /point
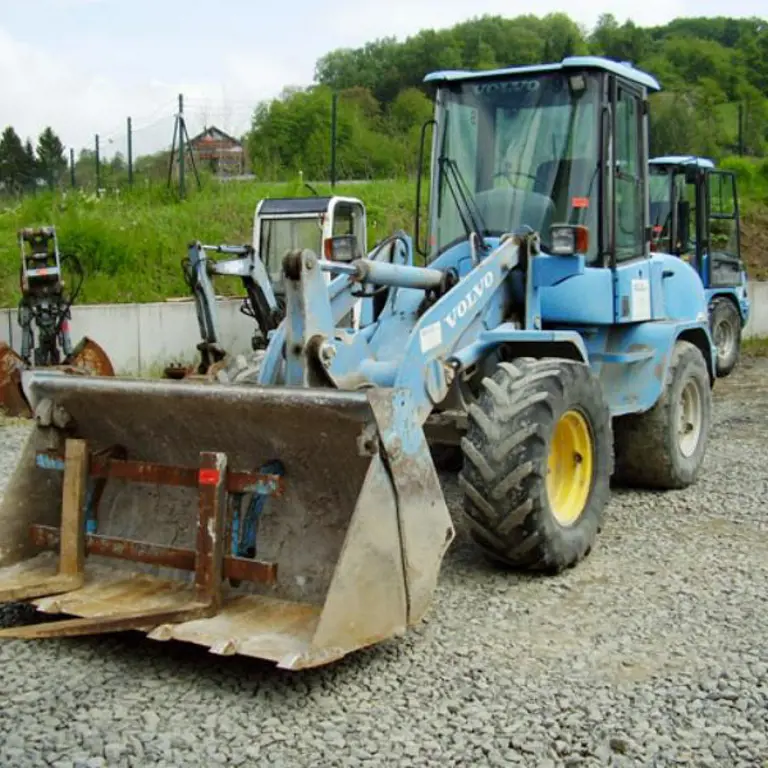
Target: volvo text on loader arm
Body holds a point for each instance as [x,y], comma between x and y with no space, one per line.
[302,518]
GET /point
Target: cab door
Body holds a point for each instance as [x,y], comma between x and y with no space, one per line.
[722,251]
[632,268]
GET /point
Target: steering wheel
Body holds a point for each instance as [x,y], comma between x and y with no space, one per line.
[509,174]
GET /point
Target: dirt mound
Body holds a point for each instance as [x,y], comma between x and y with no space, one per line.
[754,243]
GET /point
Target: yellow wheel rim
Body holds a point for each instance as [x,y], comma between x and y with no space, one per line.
[569,468]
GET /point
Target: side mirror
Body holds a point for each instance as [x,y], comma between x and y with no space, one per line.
[343,248]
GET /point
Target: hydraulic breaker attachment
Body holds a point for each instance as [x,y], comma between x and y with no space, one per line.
[294,525]
[87,357]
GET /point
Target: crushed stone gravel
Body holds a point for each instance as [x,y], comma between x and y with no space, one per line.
[651,652]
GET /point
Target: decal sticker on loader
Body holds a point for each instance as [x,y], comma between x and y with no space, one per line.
[431,336]
[641,299]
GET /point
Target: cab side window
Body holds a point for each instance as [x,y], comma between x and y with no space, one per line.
[725,266]
[628,178]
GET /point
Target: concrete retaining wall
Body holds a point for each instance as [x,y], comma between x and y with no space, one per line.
[143,338]
[758,313]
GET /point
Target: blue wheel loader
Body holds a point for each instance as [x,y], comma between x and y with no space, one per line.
[300,517]
[694,212]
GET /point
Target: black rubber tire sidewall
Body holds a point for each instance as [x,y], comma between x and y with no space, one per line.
[724,309]
[690,366]
[522,530]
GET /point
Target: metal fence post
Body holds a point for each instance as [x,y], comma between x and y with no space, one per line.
[130,153]
[98,166]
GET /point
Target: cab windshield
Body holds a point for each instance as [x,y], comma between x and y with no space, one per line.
[672,197]
[278,236]
[516,152]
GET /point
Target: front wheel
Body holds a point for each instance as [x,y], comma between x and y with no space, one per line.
[538,456]
[725,326]
[664,448]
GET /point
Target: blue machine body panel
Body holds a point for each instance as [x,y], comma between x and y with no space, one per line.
[601,315]
[739,296]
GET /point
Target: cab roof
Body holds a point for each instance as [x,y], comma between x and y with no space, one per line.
[699,162]
[282,206]
[568,63]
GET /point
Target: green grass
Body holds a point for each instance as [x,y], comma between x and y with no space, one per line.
[132,243]
[751,180]
[755,346]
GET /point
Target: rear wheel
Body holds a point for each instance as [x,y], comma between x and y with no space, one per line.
[725,326]
[538,456]
[665,447]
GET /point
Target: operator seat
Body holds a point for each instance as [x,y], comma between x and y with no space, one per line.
[508,209]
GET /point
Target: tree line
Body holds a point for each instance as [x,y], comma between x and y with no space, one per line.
[709,69]
[24,167]
[714,102]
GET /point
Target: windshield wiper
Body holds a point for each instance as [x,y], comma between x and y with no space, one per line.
[469,212]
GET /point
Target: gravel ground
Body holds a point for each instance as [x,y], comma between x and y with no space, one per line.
[651,652]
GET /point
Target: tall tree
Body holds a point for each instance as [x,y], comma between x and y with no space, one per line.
[50,152]
[31,167]
[12,161]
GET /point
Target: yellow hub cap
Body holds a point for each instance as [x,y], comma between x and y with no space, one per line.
[569,468]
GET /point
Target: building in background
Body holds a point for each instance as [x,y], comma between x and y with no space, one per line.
[218,152]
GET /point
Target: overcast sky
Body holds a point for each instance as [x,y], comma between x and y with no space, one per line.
[82,66]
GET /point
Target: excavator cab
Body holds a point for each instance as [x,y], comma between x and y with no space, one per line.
[332,226]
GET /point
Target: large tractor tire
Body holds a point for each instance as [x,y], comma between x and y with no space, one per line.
[725,326]
[664,448]
[538,456]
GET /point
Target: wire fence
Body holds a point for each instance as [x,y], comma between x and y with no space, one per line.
[177,144]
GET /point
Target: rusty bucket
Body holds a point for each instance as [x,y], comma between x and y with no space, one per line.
[12,400]
[88,357]
[294,525]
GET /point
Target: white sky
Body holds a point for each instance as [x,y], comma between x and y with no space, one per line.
[82,66]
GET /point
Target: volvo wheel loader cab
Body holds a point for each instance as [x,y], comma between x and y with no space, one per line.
[44,317]
[695,215]
[333,226]
[543,337]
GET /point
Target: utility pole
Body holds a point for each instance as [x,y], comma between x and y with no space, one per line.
[182,131]
[334,108]
[130,153]
[741,129]
[72,167]
[98,166]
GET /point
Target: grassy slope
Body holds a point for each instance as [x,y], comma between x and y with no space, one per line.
[131,245]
